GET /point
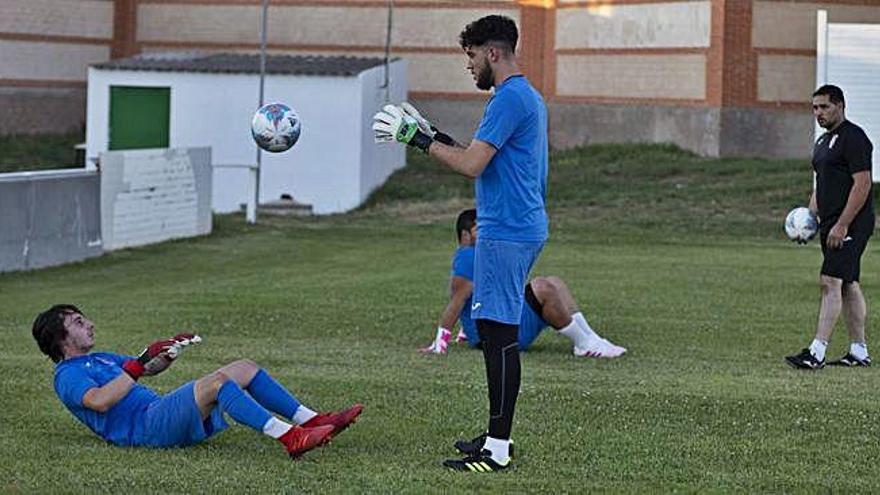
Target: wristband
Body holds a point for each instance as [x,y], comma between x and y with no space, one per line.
[134,368]
[442,137]
[421,141]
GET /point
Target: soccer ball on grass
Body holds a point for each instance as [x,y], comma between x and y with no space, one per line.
[275,127]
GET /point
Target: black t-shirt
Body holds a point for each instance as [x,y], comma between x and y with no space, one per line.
[837,155]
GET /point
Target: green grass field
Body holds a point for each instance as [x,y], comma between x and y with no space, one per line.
[679,258]
[40,152]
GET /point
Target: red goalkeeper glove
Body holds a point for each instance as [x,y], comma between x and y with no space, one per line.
[151,360]
[159,355]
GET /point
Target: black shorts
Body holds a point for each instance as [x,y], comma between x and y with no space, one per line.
[844,263]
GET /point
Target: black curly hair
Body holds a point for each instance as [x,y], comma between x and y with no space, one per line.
[494,29]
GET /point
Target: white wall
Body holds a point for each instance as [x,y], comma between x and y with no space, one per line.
[378,161]
[324,169]
[150,196]
[848,56]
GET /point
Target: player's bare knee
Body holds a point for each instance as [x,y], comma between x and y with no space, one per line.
[208,387]
[830,285]
[218,378]
[543,289]
[246,364]
[555,281]
[849,289]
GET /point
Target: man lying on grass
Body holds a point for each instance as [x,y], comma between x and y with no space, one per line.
[101,390]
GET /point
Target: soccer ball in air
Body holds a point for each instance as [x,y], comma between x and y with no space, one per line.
[275,127]
[801,224]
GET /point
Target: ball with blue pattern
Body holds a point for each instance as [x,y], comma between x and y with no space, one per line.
[276,127]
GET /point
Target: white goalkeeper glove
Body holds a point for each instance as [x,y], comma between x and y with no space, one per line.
[393,122]
[425,125]
[382,133]
[440,343]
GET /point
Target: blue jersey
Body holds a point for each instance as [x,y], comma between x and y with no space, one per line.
[463,266]
[511,189]
[75,376]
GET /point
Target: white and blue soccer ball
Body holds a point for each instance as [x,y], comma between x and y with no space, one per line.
[276,127]
[801,224]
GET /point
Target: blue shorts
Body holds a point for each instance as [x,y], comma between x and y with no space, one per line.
[501,270]
[530,326]
[174,420]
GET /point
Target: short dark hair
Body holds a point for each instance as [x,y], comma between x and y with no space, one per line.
[49,331]
[834,93]
[466,221]
[496,29]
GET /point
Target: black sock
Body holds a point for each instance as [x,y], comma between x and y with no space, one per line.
[501,354]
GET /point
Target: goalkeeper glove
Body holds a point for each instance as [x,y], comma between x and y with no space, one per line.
[155,356]
[159,355]
[182,340]
[426,126]
[393,123]
[441,342]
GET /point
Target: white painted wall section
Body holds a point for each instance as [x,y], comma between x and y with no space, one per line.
[150,196]
[848,56]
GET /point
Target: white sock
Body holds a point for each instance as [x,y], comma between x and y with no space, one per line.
[500,449]
[582,322]
[275,427]
[577,335]
[817,349]
[859,350]
[303,414]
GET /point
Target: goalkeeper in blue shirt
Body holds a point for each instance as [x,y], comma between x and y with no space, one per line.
[101,389]
[508,160]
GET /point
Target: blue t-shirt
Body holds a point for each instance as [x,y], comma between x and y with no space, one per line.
[74,377]
[463,266]
[511,189]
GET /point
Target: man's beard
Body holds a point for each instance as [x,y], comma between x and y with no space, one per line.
[486,78]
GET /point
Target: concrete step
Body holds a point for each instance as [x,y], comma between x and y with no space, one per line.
[285,207]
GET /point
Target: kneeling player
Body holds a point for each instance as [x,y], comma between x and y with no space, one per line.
[101,390]
[548,303]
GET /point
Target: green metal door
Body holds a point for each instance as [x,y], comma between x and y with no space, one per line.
[139,117]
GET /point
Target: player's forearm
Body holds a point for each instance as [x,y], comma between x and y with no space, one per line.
[456,158]
[814,205]
[101,399]
[450,314]
[858,194]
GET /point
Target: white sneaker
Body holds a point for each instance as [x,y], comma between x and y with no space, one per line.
[600,348]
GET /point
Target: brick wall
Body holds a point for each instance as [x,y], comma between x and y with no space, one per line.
[45,47]
[706,71]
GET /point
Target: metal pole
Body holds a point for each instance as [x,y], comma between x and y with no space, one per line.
[252,212]
[389,25]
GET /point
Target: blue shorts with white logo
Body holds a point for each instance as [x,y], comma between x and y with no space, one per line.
[175,421]
[501,270]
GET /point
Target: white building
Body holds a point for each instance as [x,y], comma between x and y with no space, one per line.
[848,56]
[182,100]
